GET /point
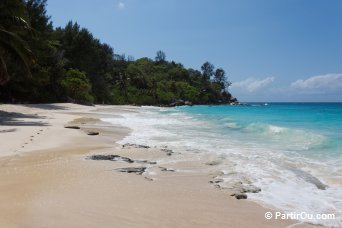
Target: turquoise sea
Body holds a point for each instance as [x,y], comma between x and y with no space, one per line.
[291,151]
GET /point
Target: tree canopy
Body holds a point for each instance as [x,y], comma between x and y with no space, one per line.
[69,63]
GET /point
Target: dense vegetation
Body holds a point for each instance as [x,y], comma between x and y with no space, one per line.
[41,64]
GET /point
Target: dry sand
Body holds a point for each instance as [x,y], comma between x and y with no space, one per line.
[47,179]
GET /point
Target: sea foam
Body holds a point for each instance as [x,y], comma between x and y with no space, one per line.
[281,161]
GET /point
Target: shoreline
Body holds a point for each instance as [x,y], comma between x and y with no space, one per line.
[50,181]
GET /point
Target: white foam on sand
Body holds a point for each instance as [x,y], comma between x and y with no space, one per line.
[288,181]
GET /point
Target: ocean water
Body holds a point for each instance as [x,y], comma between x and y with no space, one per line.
[292,151]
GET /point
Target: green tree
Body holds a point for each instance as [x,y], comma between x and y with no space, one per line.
[207,70]
[139,73]
[220,78]
[71,63]
[48,68]
[77,86]
[160,57]
[86,53]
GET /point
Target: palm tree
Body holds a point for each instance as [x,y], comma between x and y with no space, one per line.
[13,26]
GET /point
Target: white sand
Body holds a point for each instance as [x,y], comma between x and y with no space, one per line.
[46,180]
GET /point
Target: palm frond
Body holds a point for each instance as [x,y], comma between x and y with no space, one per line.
[13,26]
[12,43]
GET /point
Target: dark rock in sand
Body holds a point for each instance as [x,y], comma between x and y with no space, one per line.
[136,170]
[72,127]
[215,181]
[218,186]
[163,169]
[129,145]
[146,162]
[92,133]
[239,196]
[148,178]
[111,157]
[212,163]
[168,151]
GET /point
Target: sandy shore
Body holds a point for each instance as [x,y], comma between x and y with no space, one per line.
[48,180]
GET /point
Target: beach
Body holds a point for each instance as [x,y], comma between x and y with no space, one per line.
[50,179]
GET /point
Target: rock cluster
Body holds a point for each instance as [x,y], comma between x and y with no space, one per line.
[167,151]
[114,157]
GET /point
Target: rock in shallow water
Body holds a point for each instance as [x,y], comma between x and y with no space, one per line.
[130,145]
[310,178]
[250,188]
[240,195]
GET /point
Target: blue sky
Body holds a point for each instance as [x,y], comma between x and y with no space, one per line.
[272,50]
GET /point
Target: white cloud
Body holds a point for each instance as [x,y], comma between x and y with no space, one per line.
[252,85]
[320,88]
[327,82]
[121,5]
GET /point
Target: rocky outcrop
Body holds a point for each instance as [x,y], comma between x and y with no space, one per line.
[240,185]
[179,103]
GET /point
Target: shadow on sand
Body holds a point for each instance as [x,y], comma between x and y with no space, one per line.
[46,106]
[16,119]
